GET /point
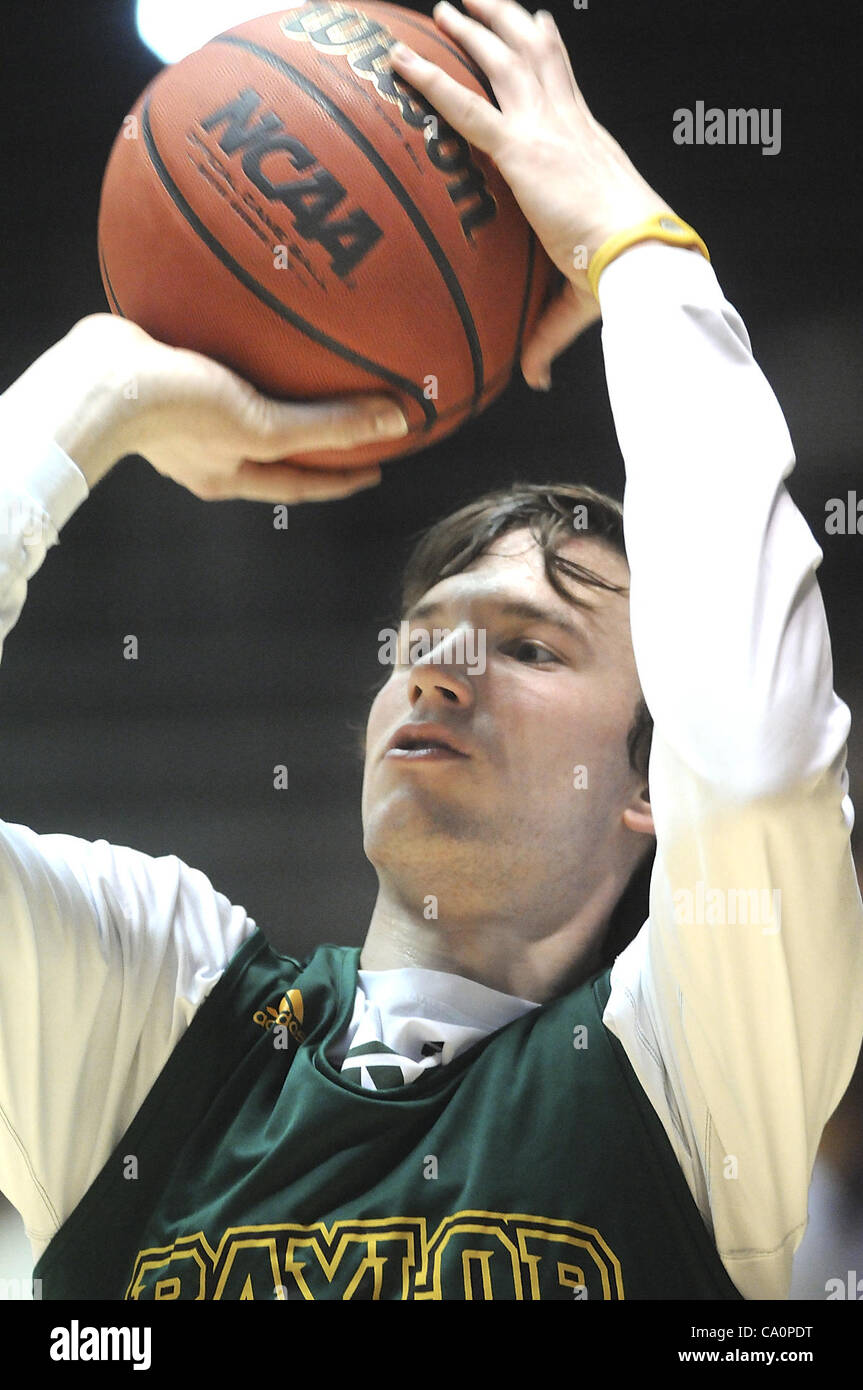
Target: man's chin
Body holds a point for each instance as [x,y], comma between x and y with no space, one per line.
[429,826]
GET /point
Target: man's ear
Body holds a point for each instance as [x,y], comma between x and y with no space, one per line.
[638,815]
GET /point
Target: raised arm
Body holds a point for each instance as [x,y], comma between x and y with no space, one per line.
[108,389]
[743,1033]
[106,953]
[740,1004]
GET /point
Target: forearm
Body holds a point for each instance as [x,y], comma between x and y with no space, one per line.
[80,395]
[729,632]
[742,998]
[39,491]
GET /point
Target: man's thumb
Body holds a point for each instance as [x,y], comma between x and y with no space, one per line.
[568,315]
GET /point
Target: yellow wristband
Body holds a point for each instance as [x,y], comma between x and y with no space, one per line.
[663,226]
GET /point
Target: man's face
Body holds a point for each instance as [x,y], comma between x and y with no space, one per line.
[527,819]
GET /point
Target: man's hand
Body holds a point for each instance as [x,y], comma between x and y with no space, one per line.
[572,181]
[108,389]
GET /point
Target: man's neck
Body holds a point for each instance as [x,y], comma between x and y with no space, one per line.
[494,953]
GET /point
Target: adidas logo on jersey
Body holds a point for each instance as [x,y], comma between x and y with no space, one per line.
[287,1014]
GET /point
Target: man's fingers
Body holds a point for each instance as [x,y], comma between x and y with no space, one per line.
[557,77]
[512,23]
[468,113]
[568,315]
[275,429]
[534,37]
[495,53]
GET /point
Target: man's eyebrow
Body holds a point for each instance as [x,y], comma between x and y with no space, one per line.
[512,608]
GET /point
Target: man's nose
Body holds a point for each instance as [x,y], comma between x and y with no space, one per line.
[443,674]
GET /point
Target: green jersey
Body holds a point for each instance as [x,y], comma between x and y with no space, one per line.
[531,1166]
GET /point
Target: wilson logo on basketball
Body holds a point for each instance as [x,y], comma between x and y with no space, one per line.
[338,30]
[288,1014]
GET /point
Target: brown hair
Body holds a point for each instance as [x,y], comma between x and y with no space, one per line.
[547,510]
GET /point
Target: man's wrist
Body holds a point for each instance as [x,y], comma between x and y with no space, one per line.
[89,438]
[79,403]
[611,220]
[664,227]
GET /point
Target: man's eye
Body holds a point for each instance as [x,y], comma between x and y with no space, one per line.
[532,653]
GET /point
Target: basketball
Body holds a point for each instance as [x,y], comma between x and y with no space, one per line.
[283,202]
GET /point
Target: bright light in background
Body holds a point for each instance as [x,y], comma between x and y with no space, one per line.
[173,28]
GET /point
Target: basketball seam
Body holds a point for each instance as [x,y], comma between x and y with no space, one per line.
[531,266]
[109,288]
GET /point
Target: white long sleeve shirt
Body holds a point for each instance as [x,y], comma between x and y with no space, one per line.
[744,1034]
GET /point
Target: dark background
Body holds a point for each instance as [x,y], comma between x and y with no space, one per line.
[259,647]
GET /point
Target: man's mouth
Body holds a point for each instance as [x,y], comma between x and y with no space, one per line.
[424,742]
